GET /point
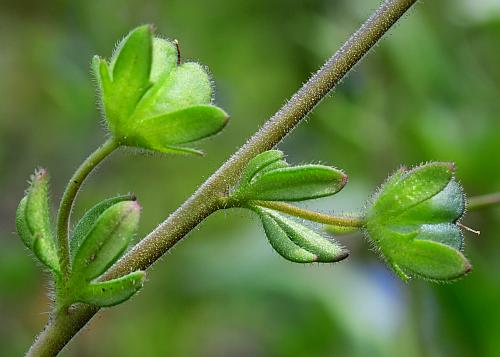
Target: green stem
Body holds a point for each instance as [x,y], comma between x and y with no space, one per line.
[337,220]
[68,199]
[484,201]
[205,200]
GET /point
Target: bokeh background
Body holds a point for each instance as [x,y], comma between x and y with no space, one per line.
[430,91]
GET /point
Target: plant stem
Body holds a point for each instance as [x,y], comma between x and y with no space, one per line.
[338,220]
[206,199]
[484,201]
[69,196]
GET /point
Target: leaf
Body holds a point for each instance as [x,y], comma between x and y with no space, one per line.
[183,126]
[296,183]
[290,236]
[107,240]
[326,250]
[280,164]
[412,188]
[130,70]
[37,205]
[21,224]
[282,244]
[112,292]
[89,219]
[447,205]
[34,228]
[102,75]
[444,233]
[433,261]
[164,58]
[259,162]
[46,252]
[185,86]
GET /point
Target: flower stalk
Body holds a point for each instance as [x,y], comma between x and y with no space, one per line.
[69,196]
[350,221]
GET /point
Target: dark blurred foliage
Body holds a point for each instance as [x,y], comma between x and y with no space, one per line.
[429,91]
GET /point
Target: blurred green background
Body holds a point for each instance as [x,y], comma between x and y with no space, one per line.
[429,91]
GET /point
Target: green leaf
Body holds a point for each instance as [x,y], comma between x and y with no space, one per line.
[164,59]
[259,162]
[33,221]
[445,233]
[282,244]
[37,205]
[293,240]
[112,292]
[412,188]
[280,164]
[447,205]
[46,252]
[106,240]
[183,126]
[433,261]
[296,183]
[130,67]
[89,219]
[187,85]
[101,73]
[21,224]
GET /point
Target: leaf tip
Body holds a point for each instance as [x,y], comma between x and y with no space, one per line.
[135,204]
[345,180]
[343,255]
[40,174]
[467,267]
[451,166]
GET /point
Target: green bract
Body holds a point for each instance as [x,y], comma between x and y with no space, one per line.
[99,239]
[269,177]
[296,242]
[151,101]
[412,221]
[33,221]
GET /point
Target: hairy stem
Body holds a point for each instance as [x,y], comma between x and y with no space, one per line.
[484,201]
[69,196]
[206,199]
[337,220]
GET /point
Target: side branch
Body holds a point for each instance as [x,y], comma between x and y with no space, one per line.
[69,196]
[480,202]
[206,199]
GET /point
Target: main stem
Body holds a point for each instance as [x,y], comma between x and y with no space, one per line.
[61,328]
[69,196]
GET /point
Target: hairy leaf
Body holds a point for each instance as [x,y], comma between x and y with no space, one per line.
[296,183]
[182,126]
[259,162]
[107,240]
[293,241]
[112,292]
[282,244]
[89,219]
[33,221]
